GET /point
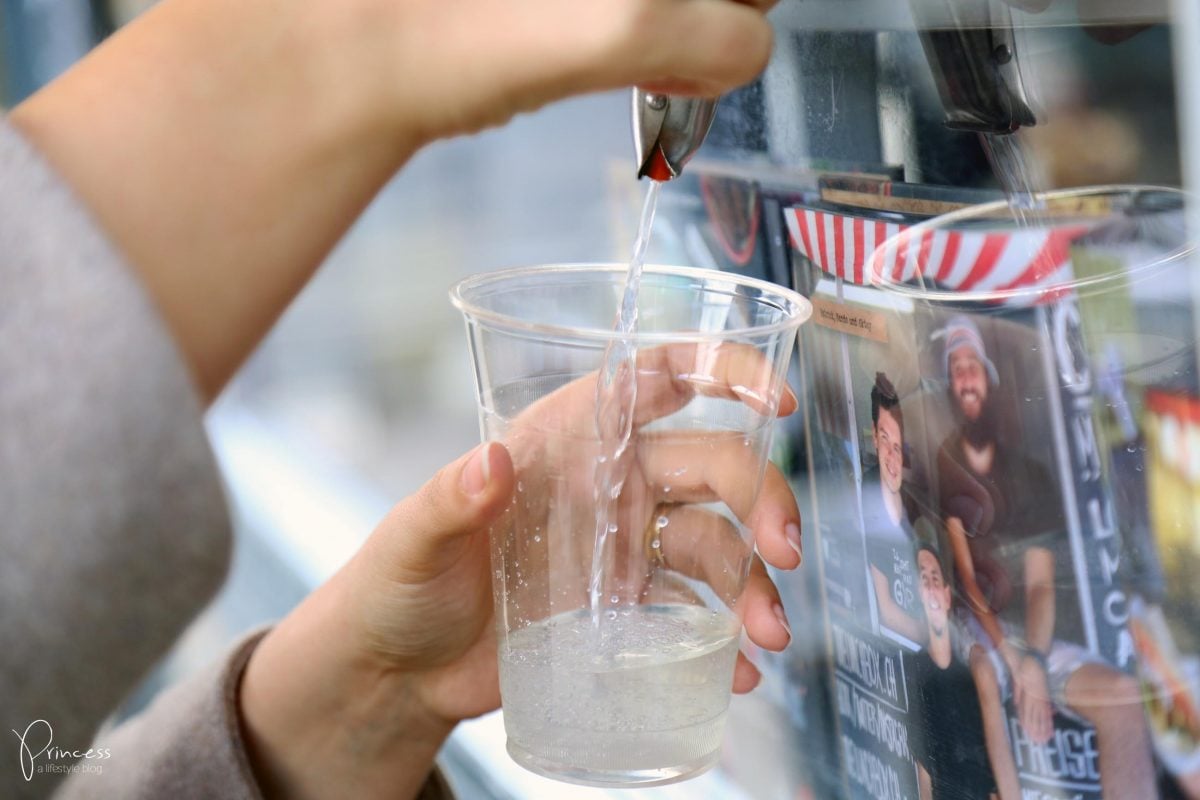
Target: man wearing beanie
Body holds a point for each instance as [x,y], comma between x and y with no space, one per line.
[1004,520]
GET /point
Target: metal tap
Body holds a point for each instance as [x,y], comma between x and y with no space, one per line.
[972,48]
[667,131]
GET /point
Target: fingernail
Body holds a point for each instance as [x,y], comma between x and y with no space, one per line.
[782,617]
[792,532]
[477,472]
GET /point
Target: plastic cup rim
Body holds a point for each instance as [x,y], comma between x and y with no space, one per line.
[474,312]
[983,210]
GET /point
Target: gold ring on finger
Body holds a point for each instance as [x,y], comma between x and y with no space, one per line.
[654,533]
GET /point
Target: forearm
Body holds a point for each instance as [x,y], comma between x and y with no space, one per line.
[890,613]
[924,783]
[902,623]
[1039,599]
[1039,618]
[225,151]
[964,565]
[984,613]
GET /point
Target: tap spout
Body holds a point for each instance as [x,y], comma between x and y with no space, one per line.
[667,131]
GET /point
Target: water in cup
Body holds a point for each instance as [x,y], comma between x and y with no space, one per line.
[653,694]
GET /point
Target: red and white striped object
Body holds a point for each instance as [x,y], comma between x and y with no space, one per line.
[1024,266]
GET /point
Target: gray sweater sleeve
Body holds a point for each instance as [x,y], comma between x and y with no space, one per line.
[113,531]
[187,745]
[113,526]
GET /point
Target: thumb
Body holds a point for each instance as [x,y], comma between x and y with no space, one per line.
[430,529]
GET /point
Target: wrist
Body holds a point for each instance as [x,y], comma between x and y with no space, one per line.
[322,720]
[1037,656]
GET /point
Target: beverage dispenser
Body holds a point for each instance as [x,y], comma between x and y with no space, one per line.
[998,453]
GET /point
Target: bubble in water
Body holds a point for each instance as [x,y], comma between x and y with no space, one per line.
[1131,448]
[656,543]
[662,522]
[614,599]
[610,614]
[666,490]
[520,486]
[601,459]
[537,538]
[612,527]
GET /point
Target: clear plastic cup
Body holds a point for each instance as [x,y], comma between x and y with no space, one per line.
[624,679]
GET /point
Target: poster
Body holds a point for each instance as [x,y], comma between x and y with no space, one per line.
[974,568]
